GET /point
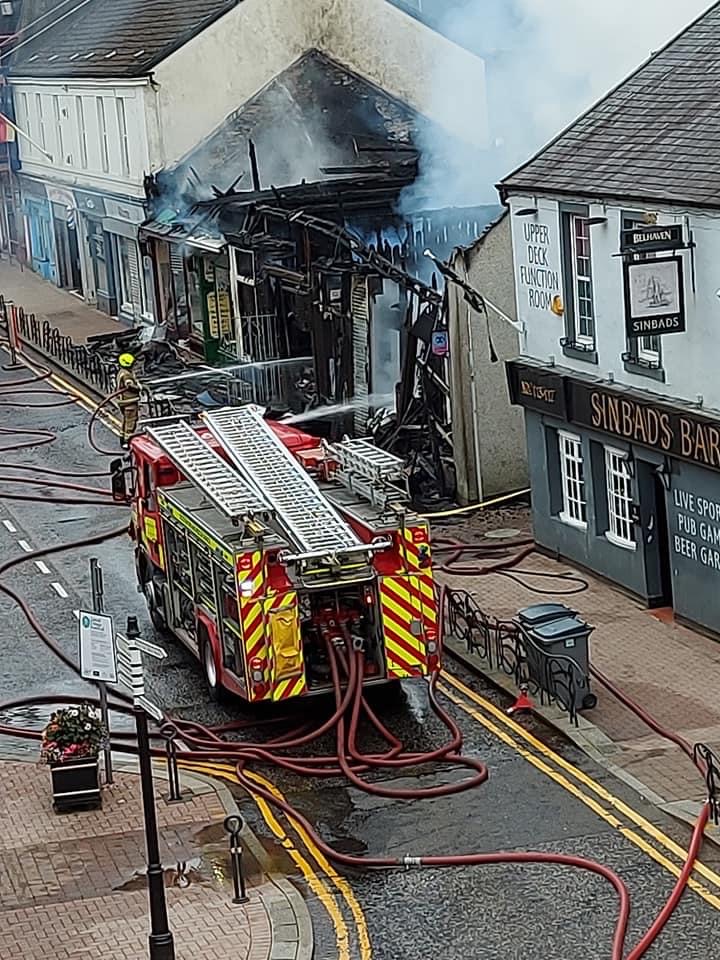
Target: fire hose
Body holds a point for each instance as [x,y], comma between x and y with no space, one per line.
[204,743]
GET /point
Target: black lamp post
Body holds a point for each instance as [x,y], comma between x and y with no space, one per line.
[162,944]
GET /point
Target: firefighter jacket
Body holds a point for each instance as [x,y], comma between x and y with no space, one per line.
[128,383]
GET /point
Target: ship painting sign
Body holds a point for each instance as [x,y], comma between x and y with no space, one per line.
[654,297]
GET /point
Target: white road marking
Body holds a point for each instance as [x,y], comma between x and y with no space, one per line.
[42,567]
[9,526]
[59,589]
[25,545]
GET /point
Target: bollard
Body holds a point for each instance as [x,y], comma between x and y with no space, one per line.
[169,732]
[233,825]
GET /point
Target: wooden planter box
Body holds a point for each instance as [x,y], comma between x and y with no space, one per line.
[76,784]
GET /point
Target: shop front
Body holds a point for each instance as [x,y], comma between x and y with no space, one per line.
[40,241]
[65,235]
[626,484]
[192,288]
[98,282]
[121,226]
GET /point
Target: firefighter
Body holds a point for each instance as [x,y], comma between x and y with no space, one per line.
[129,399]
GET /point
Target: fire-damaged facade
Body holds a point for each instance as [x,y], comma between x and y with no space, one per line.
[616,248]
[280,247]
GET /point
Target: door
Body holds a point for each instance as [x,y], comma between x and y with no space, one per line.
[663,536]
[655,534]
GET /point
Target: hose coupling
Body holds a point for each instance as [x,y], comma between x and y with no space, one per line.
[409,862]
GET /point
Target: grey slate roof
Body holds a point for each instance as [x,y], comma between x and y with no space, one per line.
[113,38]
[654,137]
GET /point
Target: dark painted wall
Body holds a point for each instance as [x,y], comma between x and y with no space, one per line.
[694,522]
[588,547]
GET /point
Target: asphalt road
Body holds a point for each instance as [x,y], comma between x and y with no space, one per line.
[534,913]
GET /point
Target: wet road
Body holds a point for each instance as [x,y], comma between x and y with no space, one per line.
[531,800]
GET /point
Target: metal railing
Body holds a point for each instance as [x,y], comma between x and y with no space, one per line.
[707,760]
[77,358]
[504,647]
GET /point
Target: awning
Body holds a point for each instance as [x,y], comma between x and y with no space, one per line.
[174,232]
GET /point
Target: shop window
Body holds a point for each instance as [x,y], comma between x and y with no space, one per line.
[572,475]
[618,482]
[578,281]
[193,267]
[643,357]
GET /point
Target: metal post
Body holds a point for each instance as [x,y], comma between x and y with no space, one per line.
[233,825]
[162,944]
[98,600]
[169,732]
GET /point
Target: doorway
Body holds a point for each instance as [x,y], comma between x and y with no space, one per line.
[662,537]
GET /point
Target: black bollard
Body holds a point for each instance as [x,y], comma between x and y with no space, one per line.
[233,826]
[169,732]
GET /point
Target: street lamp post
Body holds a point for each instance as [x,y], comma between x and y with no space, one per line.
[162,944]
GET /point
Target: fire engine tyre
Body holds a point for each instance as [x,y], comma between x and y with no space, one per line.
[155,595]
[215,691]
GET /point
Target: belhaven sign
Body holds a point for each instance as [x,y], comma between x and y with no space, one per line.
[667,429]
[643,239]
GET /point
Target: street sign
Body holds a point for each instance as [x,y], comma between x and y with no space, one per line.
[439,343]
[97,647]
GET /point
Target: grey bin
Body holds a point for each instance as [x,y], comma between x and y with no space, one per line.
[538,613]
[564,635]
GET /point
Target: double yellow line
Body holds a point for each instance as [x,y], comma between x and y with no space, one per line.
[322,883]
[614,811]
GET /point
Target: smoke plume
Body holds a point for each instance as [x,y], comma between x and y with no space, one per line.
[547,61]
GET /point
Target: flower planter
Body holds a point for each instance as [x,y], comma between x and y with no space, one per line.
[76,784]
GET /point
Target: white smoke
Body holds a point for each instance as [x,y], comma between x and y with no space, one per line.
[547,61]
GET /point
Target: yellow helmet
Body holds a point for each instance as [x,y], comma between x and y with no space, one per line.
[126,359]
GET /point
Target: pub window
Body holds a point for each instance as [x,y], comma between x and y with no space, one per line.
[579,295]
[572,475]
[619,495]
[645,352]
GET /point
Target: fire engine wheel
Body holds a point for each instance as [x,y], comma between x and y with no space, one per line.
[155,597]
[215,690]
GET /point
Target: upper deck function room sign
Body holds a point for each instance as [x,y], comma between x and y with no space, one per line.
[538,272]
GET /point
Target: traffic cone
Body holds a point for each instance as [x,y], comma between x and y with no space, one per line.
[523,702]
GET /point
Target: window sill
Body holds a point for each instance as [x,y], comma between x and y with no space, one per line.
[643,370]
[572,522]
[577,352]
[619,542]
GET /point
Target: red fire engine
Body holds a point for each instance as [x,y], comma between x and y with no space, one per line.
[258,545]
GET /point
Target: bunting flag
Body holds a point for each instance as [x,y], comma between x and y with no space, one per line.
[7,130]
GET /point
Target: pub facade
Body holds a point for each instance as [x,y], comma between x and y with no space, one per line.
[615,248]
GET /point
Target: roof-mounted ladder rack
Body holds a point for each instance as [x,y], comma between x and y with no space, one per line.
[366,469]
[306,516]
[204,468]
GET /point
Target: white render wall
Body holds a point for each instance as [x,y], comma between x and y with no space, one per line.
[68,167]
[214,74]
[689,359]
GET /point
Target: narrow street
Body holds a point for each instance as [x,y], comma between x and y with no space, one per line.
[542,794]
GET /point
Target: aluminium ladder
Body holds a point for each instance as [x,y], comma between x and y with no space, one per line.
[369,461]
[307,517]
[202,466]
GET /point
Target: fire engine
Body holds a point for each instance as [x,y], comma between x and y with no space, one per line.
[258,545]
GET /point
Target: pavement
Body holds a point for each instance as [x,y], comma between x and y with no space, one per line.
[73,885]
[69,313]
[671,670]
